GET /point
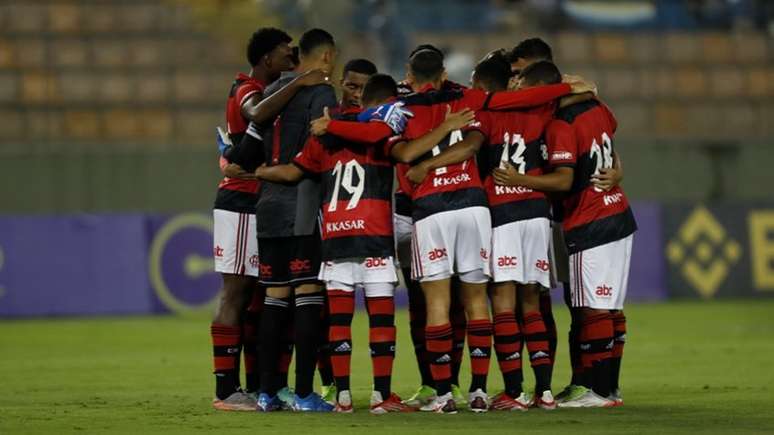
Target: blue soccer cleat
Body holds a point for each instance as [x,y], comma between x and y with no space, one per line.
[268,403]
[311,403]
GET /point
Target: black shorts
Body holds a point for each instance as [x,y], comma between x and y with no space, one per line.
[289,260]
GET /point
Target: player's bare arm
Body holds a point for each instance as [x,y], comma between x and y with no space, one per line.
[460,152]
[408,151]
[261,110]
[608,178]
[560,180]
[288,173]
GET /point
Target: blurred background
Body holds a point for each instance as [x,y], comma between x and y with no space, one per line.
[108,110]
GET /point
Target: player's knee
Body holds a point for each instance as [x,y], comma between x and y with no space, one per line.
[278,292]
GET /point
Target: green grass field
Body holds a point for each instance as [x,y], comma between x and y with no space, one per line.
[688,367]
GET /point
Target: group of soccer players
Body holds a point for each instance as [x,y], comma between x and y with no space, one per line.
[504,188]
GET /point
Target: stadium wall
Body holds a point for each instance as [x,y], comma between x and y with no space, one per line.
[70,265]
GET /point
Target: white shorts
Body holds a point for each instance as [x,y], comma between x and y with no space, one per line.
[452,242]
[560,263]
[599,276]
[235,245]
[375,275]
[403,227]
[520,252]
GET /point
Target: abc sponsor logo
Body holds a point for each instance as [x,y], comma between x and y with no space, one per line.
[437,254]
[375,262]
[542,265]
[507,261]
[604,291]
[299,266]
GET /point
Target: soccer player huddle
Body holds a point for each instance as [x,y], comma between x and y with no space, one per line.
[504,189]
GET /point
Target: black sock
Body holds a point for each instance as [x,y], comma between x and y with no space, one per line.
[542,378]
[417,322]
[226,384]
[601,375]
[307,327]
[273,325]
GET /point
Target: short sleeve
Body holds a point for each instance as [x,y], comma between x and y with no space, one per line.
[562,144]
[309,159]
[247,90]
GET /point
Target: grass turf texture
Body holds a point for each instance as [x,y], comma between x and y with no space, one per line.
[688,367]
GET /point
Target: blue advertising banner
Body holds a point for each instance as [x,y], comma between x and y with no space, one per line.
[140,264]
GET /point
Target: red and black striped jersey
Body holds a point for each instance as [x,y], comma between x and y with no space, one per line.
[581,136]
[515,137]
[235,194]
[448,188]
[357,184]
[243,88]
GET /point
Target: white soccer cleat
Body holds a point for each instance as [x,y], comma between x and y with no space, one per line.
[441,405]
[616,397]
[238,401]
[344,402]
[478,401]
[589,400]
[544,401]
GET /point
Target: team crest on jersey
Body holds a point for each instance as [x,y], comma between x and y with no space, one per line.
[254,260]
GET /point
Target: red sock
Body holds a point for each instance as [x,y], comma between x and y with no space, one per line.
[250,339]
[438,340]
[341,306]
[596,343]
[381,322]
[539,352]
[595,337]
[536,338]
[480,347]
[508,342]
[226,346]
